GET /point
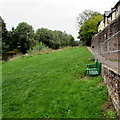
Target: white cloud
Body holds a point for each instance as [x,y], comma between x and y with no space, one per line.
[52,14]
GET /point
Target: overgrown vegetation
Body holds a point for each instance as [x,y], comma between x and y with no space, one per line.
[38,48]
[52,86]
[23,38]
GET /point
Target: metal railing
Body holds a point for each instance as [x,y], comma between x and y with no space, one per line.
[108,52]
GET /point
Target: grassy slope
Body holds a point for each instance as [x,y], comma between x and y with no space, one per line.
[49,85]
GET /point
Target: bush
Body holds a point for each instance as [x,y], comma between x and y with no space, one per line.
[38,48]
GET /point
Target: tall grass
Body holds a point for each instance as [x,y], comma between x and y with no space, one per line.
[39,48]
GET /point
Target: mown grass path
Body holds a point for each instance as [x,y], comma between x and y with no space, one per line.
[50,86]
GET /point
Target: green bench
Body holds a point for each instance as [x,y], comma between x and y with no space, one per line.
[93,69]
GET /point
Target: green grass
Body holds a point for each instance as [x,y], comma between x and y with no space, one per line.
[50,86]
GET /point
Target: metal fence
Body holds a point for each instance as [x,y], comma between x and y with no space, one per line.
[108,52]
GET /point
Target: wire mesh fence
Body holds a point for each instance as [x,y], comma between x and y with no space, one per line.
[108,51]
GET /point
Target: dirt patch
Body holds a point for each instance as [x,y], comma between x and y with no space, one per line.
[84,77]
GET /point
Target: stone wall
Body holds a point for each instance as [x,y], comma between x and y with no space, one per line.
[106,48]
[112,80]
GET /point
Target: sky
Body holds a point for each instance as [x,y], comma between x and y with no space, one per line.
[51,14]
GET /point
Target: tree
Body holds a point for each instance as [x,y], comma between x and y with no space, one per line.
[5,36]
[53,39]
[23,37]
[45,36]
[89,29]
[84,16]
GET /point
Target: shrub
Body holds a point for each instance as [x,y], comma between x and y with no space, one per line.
[38,48]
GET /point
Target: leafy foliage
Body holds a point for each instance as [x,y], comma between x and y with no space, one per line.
[84,16]
[24,35]
[22,38]
[54,39]
[44,35]
[5,36]
[37,48]
[89,28]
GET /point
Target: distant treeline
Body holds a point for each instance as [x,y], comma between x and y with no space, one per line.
[23,37]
